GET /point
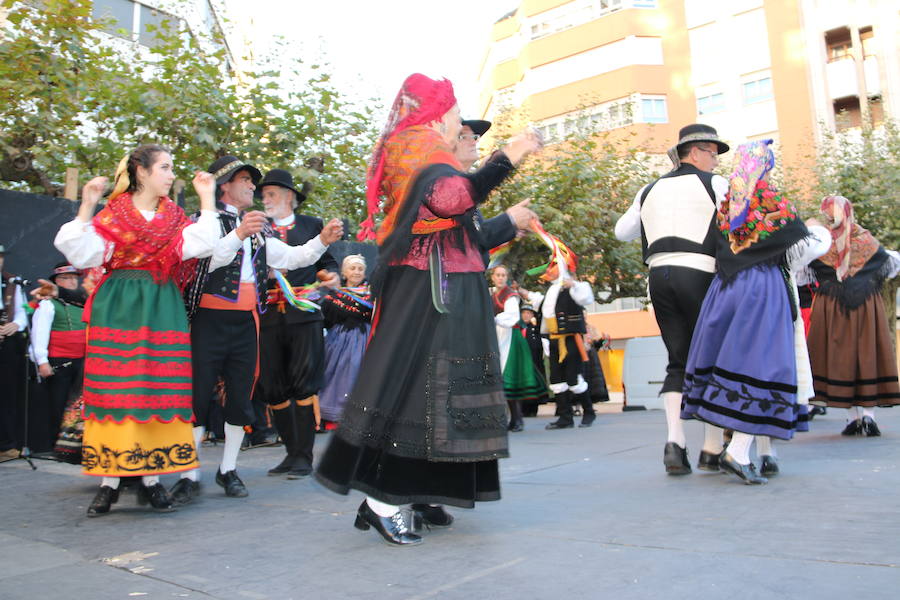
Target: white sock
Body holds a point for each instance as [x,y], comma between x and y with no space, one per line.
[672,403]
[852,414]
[712,439]
[234,435]
[149,480]
[112,482]
[869,411]
[382,509]
[764,446]
[739,448]
[194,474]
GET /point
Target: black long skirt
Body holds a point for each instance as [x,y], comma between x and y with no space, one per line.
[426,420]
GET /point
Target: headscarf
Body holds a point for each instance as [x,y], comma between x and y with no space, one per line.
[853,246]
[405,147]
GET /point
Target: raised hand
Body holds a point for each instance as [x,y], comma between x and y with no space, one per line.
[522,145]
[332,232]
[90,196]
[251,224]
[205,186]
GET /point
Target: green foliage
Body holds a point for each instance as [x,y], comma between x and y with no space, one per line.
[76,97]
[579,188]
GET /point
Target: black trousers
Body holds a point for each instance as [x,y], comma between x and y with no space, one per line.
[12,379]
[224,344]
[291,360]
[64,385]
[677,294]
[569,369]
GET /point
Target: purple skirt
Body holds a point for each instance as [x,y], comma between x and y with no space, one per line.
[741,371]
[344,350]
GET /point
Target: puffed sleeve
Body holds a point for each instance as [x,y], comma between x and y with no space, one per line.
[810,248]
[450,196]
[200,237]
[510,315]
[81,245]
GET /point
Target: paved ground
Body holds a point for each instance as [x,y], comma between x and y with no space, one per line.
[586,513]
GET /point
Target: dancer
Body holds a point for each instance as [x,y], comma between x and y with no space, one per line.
[748,369]
[58,340]
[520,379]
[675,219]
[292,345]
[137,374]
[348,314]
[229,293]
[563,322]
[426,421]
[853,363]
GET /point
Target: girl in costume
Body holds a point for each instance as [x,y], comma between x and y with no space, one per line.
[348,316]
[426,420]
[850,349]
[521,381]
[137,382]
[747,369]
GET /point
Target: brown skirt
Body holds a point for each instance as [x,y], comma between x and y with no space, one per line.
[852,358]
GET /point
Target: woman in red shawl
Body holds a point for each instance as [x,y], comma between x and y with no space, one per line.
[850,350]
[137,374]
[426,421]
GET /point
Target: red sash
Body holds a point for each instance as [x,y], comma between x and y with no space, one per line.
[67,344]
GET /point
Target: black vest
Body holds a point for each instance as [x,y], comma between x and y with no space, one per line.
[680,244]
[569,314]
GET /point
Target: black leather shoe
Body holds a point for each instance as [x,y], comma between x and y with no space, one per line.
[300,468]
[588,419]
[708,461]
[283,467]
[516,427]
[425,515]
[676,460]
[747,473]
[155,495]
[816,410]
[560,425]
[769,466]
[184,491]
[234,487]
[869,428]
[854,427]
[105,498]
[393,529]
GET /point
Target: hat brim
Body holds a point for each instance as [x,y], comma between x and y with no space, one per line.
[255,175]
[477,125]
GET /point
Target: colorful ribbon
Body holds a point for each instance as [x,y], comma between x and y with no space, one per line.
[299,300]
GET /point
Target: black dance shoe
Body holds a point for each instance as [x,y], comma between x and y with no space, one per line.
[516,427]
[234,487]
[708,461]
[675,459]
[425,515]
[300,468]
[816,410]
[393,529]
[869,428]
[560,425]
[854,427]
[283,467]
[105,498]
[747,473]
[184,491]
[156,496]
[769,466]
[588,419]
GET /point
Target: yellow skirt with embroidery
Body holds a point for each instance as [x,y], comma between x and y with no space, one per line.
[130,448]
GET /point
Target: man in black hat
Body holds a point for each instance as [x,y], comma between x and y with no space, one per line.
[292,344]
[58,343]
[12,356]
[225,302]
[675,217]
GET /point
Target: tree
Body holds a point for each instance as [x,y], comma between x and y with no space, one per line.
[579,188]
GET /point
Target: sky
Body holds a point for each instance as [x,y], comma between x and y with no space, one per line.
[373,45]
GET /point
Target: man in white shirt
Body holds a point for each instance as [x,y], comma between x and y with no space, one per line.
[675,218]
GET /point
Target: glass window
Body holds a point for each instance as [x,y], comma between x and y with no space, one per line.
[654,110]
[156,20]
[757,91]
[710,104]
[119,14]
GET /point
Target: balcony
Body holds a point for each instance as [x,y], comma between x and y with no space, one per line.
[841,77]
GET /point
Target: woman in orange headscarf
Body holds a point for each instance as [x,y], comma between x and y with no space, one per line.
[426,421]
[852,360]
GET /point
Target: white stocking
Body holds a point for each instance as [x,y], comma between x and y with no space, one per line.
[112,482]
[382,509]
[712,439]
[672,403]
[739,448]
[234,435]
[194,474]
[150,480]
[765,447]
[852,414]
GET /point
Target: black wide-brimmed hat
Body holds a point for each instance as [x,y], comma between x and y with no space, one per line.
[282,178]
[223,169]
[698,132]
[477,125]
[62,268]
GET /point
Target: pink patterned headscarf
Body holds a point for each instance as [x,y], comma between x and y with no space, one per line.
[853,245]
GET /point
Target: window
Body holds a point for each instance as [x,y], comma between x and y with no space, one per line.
[757,91]
[644,4]
[119,15]
[710,104]
[654,110]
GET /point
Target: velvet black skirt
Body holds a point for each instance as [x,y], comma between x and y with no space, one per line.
[426,420]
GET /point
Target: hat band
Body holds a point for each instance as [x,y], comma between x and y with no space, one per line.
[224,170]
[698,137]
[64,270]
